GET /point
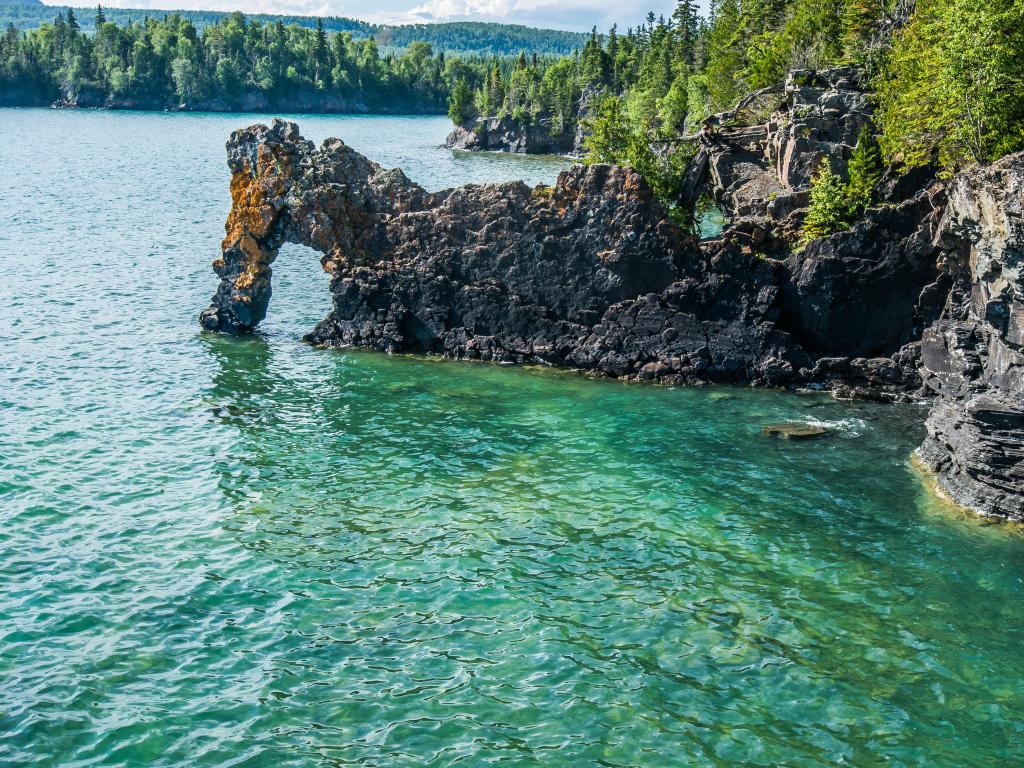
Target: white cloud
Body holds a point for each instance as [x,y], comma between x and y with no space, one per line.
[565,14]
[579,15]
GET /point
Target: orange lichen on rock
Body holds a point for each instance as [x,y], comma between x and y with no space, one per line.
[273,166]
[250,214]
[255,261]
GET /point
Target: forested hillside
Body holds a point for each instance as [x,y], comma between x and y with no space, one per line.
[947,77]
[235,63]
[464,38]
[475,37]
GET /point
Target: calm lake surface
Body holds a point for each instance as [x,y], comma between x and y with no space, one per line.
[222,552]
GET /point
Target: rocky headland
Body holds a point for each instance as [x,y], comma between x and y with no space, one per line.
[540,136]
[921,298]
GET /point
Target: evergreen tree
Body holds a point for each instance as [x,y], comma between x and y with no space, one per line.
[829,209]
[686,22]
[865,171]
[726,55]
[72,22]
[461,109]
[320,53]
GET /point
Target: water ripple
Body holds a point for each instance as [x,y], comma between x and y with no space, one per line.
[222,552]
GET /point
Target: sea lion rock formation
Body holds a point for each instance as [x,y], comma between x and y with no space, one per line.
[589,273]
[592,274]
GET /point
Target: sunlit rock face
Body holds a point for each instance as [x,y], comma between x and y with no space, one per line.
[973,358]
[589,273]
[759,160]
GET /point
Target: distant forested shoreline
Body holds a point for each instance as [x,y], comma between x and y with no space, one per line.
[237,63]
[457,37]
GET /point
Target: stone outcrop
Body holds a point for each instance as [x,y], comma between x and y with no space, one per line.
[592,275]
[541,136]
[760,158]
[973,357]
[589,274]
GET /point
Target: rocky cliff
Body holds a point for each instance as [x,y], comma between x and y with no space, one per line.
[973,357]
[589,274]
[759,159]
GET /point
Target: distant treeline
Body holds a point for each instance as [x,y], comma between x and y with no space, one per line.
[233,64]
[472,38]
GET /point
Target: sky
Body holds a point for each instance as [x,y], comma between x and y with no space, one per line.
[579,15]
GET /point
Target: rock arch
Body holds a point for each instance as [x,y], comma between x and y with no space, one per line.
[284,190]
[432,271]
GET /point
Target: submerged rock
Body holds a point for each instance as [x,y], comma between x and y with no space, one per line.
[794,430]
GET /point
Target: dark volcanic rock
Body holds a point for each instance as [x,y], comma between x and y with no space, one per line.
[591,274]
[541,136]
[973,358]
[588,274]
[869,290]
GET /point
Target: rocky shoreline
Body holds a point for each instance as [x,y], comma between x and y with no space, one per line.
[298,101]
[541,136]
[920,298]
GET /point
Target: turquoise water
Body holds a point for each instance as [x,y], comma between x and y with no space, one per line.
[221,552]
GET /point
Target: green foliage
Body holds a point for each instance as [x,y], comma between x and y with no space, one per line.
[836,204]
[607,136]
[865,171]
[829,210]
[611,139]
[464,38]
[474,38]
[949,79]
[753,44]
[461,108]
[167,63]
[952,88]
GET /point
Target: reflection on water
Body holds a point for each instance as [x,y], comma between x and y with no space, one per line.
[249,552]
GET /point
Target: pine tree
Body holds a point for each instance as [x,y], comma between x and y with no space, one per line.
[865,170]
[101,18]
[726,55]
[829,205]
[321,53]
[685,21]
[460,105]
[73,27]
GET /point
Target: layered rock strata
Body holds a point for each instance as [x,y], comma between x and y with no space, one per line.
[973,357]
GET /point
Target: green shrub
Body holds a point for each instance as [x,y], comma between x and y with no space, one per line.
[829,209]
[836,204]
